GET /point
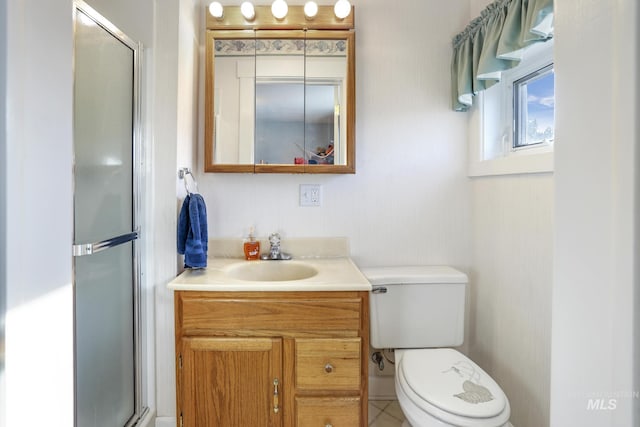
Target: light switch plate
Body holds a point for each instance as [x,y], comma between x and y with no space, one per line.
[310,195]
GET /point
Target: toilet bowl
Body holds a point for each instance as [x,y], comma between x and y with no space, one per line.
[419,312]
[442,387]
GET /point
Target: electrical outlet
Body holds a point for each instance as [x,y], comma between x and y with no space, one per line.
[310,195]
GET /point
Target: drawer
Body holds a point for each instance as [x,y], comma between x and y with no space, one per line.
[328,364]
[268,316]
[323,412]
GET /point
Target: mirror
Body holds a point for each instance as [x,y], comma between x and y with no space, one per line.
[280,101]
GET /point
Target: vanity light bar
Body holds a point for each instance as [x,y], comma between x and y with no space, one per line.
[249,16]
[279,16]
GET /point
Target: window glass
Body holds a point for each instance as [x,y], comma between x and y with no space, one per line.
[534,103]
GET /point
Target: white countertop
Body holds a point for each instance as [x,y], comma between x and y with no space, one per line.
[334,274]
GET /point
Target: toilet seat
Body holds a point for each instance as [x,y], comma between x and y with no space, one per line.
[448,386]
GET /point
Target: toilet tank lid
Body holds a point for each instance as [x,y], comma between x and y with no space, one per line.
[413,274]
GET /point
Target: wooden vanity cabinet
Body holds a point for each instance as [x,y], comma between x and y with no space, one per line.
[274,359]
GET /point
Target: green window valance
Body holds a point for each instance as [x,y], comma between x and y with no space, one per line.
[495,42]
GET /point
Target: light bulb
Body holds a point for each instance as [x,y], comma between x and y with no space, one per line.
[247,10]
[342,9]
[216,10]
[279,9]
[310,9]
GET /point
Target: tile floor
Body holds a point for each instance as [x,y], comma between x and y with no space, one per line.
[385,413]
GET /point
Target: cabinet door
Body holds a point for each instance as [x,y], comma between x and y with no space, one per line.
[231,382]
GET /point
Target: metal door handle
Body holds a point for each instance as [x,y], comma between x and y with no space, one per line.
[276,407]
[92,248]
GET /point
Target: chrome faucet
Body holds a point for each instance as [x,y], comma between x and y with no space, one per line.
[274,251]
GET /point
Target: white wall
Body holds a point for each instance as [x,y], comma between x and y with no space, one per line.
[509,327]
[595,304]
[39,323]
[408,202]
[164,196]
[3,204]
[175,140]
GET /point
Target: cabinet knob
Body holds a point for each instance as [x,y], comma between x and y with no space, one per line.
[328,368]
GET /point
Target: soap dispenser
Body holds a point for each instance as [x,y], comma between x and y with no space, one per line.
[251,247]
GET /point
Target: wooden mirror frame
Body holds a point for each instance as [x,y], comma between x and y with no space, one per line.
[295,25]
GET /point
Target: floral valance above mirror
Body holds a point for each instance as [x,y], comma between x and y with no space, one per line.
[281,47]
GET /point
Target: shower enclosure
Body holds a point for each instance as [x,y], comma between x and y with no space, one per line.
[106,253]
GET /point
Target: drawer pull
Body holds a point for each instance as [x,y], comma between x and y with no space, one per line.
[276,407]
[328,425]
[328,368]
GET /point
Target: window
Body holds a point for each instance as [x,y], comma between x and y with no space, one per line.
[534,108]
[513,124]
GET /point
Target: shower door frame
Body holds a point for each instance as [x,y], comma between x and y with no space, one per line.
[139,408]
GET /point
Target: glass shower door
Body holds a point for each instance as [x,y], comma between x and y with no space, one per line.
[105,229]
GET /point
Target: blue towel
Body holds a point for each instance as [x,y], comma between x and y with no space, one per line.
[193,236]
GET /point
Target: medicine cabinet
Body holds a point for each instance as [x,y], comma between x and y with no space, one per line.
[280,94]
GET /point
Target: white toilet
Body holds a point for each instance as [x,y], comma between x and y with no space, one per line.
[418,311]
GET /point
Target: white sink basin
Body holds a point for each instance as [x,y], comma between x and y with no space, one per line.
[271,271]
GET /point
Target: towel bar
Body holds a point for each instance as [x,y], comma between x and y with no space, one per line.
[182,174]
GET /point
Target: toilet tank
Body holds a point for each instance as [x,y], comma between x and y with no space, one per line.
[416,307]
